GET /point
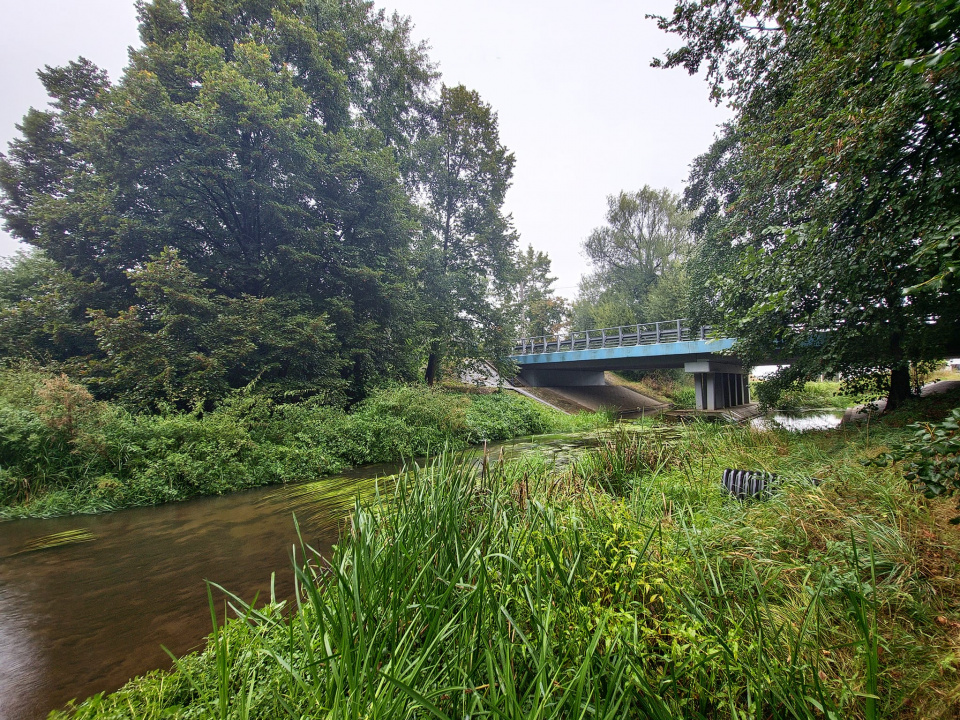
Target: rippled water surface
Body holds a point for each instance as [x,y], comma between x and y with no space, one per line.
[803,421]
[86,617]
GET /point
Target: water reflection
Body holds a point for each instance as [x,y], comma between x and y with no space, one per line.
[803,421]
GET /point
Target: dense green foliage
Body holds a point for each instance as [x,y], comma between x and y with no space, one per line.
[638,262]
[828,203]
[811,395]
[272,191]
[228,138]
[627,586]
[931,457]
[61,451]
[468,246]
[542,312]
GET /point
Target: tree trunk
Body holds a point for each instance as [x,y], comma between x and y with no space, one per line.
[899,387]
[899,375]
[433,364]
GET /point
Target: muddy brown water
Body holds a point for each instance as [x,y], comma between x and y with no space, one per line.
[84,618]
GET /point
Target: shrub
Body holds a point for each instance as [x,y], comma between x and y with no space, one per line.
[500,415]
[931,457]
[61,451]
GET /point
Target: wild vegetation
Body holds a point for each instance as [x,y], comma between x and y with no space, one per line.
[827,210]
[810,395]
[627,585]
[63,452]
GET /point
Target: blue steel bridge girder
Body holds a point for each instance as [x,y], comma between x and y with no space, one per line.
[719,378]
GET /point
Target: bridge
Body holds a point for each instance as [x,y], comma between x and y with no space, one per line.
[580,358]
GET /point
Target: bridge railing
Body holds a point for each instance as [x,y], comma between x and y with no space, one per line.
[624,336]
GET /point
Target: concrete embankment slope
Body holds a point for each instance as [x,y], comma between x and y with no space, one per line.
[619,399]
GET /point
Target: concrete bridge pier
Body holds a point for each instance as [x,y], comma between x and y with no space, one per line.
[718,385]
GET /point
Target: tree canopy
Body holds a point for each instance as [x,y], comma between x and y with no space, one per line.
[823,203]
[541,310]
[463,172]
[636,257]
[274,162]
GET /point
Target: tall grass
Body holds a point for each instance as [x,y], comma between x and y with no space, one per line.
[626,585]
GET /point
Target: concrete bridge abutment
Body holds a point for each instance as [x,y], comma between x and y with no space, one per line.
[719,385]
[553,377]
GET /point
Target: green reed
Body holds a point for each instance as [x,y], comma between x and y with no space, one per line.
[625,585]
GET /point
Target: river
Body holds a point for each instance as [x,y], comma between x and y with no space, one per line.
[85,617]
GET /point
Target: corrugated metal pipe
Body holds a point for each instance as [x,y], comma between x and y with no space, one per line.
[744,484]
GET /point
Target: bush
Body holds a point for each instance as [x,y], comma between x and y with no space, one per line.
[62,452]
[931,457]
[499,416]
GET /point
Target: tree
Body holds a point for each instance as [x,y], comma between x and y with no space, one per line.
[468,244]
[43,311]
[647,234]
[599,306]
[184,345]
[261,140]
[539,309]
[669,299]
[840,164]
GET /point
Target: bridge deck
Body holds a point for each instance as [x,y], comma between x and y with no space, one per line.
[662,344]
[664,354]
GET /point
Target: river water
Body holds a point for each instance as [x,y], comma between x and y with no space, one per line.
[800,420]
[84,618]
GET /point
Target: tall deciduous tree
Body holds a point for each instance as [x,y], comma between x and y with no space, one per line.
[539,310]
[647,234]
[185,345]
[463,173]
[259,139]
[841,164]
[43,311]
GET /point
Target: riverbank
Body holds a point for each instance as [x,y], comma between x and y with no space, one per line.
[626,585]
[62,452]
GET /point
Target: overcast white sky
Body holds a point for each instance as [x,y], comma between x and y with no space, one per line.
[578,102]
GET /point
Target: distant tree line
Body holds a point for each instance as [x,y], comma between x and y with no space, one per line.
[639,258]
[274,193]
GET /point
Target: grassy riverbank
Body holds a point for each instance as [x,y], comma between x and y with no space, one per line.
[627,585]
[62,452]
[818,395]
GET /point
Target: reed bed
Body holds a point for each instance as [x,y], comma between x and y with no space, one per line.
[627,584]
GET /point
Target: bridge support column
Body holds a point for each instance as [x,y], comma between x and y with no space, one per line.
[718,386]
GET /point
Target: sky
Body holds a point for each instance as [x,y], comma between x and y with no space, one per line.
[577,101]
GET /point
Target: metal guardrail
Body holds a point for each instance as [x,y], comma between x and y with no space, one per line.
[625,336]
